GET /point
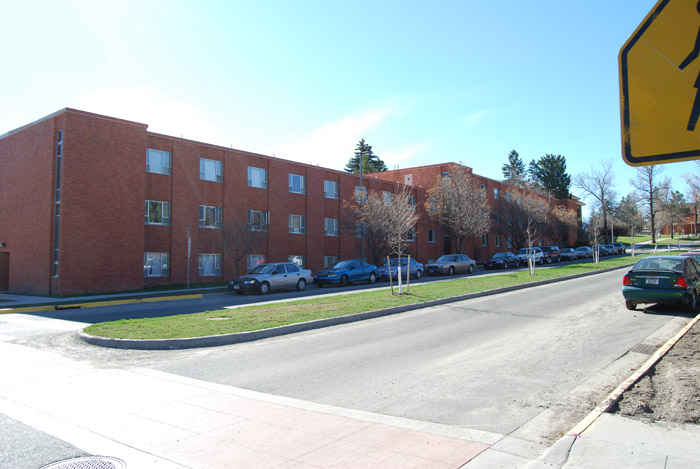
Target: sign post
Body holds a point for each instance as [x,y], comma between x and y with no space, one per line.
[660,86]
[189,249]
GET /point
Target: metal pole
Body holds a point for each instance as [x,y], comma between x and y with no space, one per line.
[362,201]
[189,249]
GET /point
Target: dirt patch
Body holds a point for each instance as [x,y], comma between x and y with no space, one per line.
[670,392]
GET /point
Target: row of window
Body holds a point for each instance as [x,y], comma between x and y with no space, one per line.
[497,241]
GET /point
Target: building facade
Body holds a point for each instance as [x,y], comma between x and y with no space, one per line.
[91,203]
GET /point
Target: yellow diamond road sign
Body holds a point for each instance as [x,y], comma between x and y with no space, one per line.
[660,86]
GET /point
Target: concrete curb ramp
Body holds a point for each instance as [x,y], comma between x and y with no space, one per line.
[240,337]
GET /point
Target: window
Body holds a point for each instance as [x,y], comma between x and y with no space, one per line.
[210,265]
[509,242]
[211,170]
[209,217]
[431,235]
[298,260]
[508,196]
[359,229]
[498,241]
[386,197]
[497,216]
[360,194]
[158,161]
[329,261]
[253,260]
[411,235]
[330,189]
[257,220]
[257,177]
[484,240]
[482,187]
[297,184]
[446,175]
[495,193]
[297,224]
[155,264]
[510,219]
[412,201]
[330,226]
[157,213]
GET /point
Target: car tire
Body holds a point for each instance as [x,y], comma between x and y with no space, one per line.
[320,285]
[418,274]
[631,305]
[549,260]
[372,278]
[344,281]
[693,305]
[239,292]
[301,284]
[541,260]
[471,269]
[451,271]
[264,288]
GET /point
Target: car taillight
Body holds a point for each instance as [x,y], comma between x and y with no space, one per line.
[680,282]
[626,280]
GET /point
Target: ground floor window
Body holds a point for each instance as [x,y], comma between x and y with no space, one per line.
[484,240]
[431,235]
[210,265]
[329,261]
[298,260]
[498,241]
[156,264]
[255,259]
[330,226]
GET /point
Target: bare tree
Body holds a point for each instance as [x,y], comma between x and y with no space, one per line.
[394,219]
[676,208]
[561,221]
[595,225]
[460,206]
[236,239]
[628,211]
[693,181]
[651,192]
[534,213]
[598,184]
[372,236]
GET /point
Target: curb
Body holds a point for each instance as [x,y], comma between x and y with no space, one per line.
[92,304]
[240,337]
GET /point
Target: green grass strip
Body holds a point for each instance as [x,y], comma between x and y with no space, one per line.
[256,317]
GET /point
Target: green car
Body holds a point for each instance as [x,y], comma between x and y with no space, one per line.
[663,279]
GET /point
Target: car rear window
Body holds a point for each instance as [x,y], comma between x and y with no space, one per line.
[659,264]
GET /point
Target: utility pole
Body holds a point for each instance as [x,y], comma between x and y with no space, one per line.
[189,249]
[362,202]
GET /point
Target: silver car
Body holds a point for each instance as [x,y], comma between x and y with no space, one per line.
[272,276]
[451,264]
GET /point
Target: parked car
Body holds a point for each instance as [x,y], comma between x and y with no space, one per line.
[272,276]
[694,254]
[551,254]
[621,247]
[663,279]
[451,264]
[416,269]
[535,253]
[584,252]
[602,250]
[612,250]
[567,254]
[346,272]
[502,260]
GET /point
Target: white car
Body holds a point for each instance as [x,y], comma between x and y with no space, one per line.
[272,276]
[535,253]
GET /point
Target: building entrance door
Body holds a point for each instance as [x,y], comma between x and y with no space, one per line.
[4,271]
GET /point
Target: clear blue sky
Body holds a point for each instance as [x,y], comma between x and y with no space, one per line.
[422,82]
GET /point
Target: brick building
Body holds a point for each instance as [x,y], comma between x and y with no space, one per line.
[90,203]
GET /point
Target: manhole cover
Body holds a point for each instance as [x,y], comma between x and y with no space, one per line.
[92,462]
[645,349]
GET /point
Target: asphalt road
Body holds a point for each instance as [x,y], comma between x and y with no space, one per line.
[535,360]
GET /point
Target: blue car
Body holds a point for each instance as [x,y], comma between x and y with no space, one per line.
[416,269]
[346,272]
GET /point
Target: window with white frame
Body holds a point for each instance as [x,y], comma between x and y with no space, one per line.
[253,260]
[495,193]
[509,242]
[297,224]
[157,161]
[156,264]
[431,235]
[298,260]
[411,235]
[258,220]
[257,177]
[484,240]
[297,184]
[498,241]
[210,265]
[386,197]
[446,175]
[329,261]
[157,213]
[412,201]
[330,226]
[209,217]
[360,194]
[211,170]
[330,189]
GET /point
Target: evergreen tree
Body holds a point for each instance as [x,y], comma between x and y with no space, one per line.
[371,162]
[549,172]
[514,171]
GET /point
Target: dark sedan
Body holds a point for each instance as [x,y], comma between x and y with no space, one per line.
[502,260]
[663,279]
[346,272]
[451,264]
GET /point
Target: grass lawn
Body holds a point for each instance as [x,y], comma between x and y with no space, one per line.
[256,317]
